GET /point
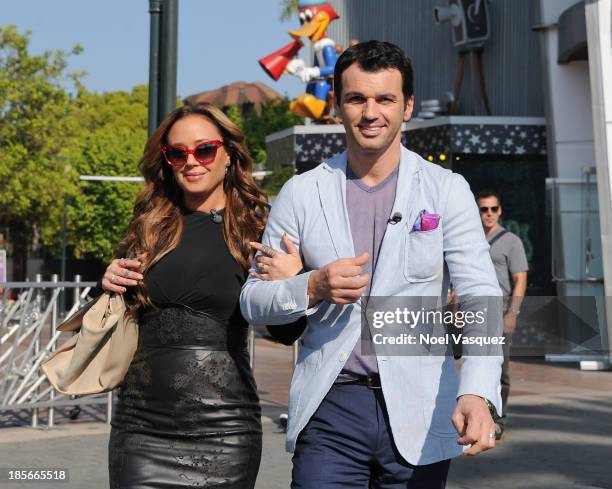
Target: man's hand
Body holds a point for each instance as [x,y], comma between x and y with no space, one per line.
[509,323]
[474,423]
[339,282]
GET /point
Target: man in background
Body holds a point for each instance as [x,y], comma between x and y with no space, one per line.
[510,262]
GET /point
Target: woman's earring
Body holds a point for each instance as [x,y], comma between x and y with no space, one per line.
[227,166]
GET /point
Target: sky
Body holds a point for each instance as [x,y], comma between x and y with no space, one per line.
[219,41]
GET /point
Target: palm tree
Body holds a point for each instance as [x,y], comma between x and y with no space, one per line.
[288,9]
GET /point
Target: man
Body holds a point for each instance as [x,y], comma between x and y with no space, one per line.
[510,262]
[357,420]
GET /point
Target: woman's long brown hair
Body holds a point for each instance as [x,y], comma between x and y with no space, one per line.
[157,226]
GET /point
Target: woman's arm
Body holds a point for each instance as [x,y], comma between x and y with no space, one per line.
[278,266]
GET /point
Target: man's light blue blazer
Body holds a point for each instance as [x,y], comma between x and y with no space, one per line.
[420,391]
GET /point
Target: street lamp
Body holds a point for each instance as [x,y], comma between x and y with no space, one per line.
[163,47]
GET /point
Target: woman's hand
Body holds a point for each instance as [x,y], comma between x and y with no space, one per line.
[278,266]
[121,273]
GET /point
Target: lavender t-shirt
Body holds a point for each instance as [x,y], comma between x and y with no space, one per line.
[369,209]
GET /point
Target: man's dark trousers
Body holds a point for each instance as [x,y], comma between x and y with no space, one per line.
[348,444]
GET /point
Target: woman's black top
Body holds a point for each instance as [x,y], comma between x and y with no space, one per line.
[187,412]
[200,272]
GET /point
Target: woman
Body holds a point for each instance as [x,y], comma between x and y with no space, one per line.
[188,413]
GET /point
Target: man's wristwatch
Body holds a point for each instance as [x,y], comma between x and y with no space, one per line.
[516,312]
[492,409]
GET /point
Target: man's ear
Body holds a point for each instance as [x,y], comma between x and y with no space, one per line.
[408,109]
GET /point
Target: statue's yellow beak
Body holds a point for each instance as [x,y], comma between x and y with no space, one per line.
[315,29]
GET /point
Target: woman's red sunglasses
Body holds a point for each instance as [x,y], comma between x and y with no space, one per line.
[204,153]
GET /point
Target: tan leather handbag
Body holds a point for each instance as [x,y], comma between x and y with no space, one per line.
[97,358]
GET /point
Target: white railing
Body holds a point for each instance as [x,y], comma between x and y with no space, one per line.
[29,315]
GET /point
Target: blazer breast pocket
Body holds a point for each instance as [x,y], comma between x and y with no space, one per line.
[423,255]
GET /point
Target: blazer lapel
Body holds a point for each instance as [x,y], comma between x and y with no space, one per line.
[332,195]
[406,196]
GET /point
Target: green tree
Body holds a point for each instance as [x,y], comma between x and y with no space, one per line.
[289,8]
[275,116]
[36,132]
[111,139]
[274,182]
[233,113]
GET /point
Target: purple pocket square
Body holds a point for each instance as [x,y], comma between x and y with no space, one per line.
[426,221]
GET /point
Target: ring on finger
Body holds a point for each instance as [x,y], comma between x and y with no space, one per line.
[268,251]
[126,274]
[112,278]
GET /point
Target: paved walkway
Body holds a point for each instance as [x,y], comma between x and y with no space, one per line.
[559,435]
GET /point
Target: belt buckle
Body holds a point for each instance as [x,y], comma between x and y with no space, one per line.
[370,382]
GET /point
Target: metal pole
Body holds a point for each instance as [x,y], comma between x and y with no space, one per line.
[168,61]
[154,43]
[251,341]
[64,246]
[109,407]
[77,291]
[295,350]
[38,306]
[3,312]
[597,15]
[51,418]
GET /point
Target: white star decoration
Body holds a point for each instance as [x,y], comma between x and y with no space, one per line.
[474,139]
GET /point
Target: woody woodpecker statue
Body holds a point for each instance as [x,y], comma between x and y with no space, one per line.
[315,16]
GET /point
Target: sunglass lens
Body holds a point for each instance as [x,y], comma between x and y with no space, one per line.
[176,156]
[205,153]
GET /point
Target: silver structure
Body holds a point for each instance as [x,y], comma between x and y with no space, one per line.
[27,336]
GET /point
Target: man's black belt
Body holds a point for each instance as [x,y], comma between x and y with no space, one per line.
[370,381]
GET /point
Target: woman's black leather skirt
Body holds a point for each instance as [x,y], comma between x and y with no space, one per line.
[187,413]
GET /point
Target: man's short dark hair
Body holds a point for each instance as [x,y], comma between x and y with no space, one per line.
[487,192]
[374,56]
